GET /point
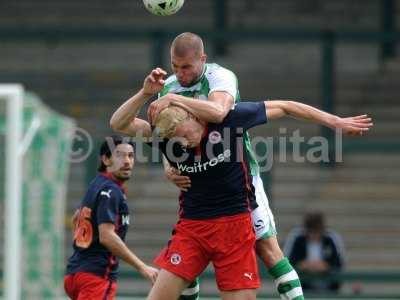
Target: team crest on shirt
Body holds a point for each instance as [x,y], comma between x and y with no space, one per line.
[259,225]
[176,259]
[214,137]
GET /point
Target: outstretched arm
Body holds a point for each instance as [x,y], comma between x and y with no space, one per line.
[125,120]
[357,125]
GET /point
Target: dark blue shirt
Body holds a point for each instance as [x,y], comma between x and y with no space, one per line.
[218,168]
[104,202]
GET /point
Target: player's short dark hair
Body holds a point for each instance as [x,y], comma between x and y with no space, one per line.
[187,42]
[108,145]
[314,221]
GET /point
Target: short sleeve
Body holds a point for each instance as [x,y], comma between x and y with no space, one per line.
[108,206]
[163,92]
[169,82]
[222,80]
[246,115]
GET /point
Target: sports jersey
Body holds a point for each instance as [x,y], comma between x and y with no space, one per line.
[214,78]
[218,167]
[104,202]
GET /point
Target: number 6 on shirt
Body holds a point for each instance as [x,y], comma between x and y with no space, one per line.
[83,234]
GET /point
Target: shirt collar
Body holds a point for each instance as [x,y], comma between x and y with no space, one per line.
[119,182]
[201,76]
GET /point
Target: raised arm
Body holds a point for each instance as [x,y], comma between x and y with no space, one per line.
[125,120]
[357,125]
[223,89]
[214,110]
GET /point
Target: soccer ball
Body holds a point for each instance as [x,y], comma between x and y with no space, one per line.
[163,7]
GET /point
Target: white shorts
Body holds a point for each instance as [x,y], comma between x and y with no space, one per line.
[262,217]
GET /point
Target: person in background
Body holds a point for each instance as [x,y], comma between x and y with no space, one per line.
[101,224]
[314,250]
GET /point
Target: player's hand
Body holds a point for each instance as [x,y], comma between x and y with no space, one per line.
[74,222]
[75,217]
[354,126]
[157,106]
[174,175]
[154,82]
[149,273]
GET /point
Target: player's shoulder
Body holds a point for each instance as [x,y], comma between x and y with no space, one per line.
[111,187]
[214,67]
[215,70]
[107,187]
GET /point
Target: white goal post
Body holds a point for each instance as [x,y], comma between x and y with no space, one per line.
[13,95]
[36,144]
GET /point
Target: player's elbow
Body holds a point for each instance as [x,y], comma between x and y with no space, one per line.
[116,125]
[218,119]
[219,116]
[289,104]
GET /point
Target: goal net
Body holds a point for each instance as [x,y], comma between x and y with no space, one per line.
[35,144]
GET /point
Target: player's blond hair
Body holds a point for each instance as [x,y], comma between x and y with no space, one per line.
[168,119]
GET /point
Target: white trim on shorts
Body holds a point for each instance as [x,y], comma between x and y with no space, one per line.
[262,217]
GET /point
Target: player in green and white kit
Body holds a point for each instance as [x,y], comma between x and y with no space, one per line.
[195,81]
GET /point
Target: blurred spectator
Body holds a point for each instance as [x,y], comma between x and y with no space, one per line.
[313,250]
